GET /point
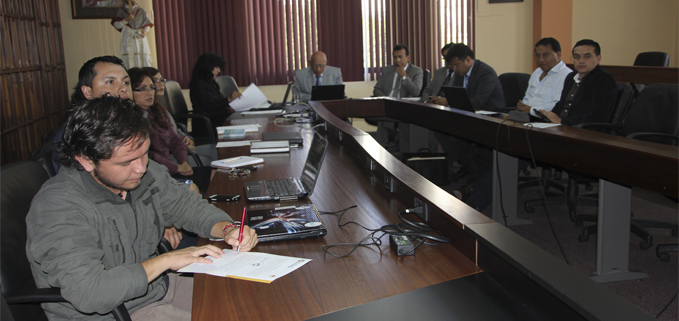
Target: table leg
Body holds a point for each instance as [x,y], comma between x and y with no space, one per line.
[612,248]
[509,177]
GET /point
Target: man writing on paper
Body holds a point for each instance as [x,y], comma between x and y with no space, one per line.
[317,74]
[93,229]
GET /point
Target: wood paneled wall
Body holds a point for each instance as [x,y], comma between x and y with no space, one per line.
[34,89]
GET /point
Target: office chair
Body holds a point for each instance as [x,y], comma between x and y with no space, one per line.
[181,113]
[570,193]
[426,79]
[43,156]
[514,86]
[20,182]
[227,85]
[652,59]
[653,118]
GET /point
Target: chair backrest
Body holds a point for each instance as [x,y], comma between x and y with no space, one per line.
[656,109]
[20,182]
[426,79]
[43,155]
[514,86]
[227,85]
[626,95]
[652,59]
[175,98]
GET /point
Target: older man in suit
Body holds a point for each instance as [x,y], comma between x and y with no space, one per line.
[399,80]
[317,74]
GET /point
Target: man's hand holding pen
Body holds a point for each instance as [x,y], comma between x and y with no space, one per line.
[249,238]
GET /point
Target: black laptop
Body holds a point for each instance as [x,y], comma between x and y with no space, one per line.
[285,99]
[292,188]
[457,98]
[286,223]
[327,92]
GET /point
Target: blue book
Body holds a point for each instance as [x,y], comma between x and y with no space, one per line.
[233,133]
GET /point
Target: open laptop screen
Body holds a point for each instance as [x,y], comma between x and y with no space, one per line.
[314,160]
[457,98]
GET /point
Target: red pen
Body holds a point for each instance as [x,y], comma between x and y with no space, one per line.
[240,233]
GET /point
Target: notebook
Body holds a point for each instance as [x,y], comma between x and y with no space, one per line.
[292,188]
[328,92]
[293,137]
[285,99]
[457,98]
[286,223]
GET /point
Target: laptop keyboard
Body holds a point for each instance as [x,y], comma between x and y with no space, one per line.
[281,187]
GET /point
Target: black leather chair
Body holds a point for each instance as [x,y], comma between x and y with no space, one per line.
[653,117]
[426,79]
[569,194]
[227,85]
[181,113]
[514,86]
[43,155]
[20,182]
[652,59]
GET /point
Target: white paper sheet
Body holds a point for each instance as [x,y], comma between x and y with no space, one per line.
[252,266]
[251,97]
[249,128]
[541,125]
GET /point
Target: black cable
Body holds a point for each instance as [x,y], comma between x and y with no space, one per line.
[418,231]
[497,168]
[544,197]
[667,306]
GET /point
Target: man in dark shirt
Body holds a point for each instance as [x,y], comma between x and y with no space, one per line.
[589,93]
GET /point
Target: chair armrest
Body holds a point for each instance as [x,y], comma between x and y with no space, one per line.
[645,135]
[164,246]
[35,296]
[203,118]
[196,158]
[182,127]
[602,127]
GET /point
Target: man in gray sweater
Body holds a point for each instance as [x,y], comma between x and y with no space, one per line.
[93,229]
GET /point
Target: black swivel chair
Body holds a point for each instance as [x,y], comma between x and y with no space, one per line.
[20,182]
[571,197]
[514,86]
[654,118]
[43,156]
[181,113]
[652,59]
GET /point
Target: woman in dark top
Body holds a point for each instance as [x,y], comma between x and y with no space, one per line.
[204,91]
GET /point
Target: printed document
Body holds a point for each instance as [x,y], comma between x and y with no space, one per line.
[251,97]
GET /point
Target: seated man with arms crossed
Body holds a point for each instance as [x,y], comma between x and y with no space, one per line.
[317,74]
[93,229]
[589,93]
[546,82]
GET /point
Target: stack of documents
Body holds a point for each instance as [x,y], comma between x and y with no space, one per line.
[235,162]
[273,146]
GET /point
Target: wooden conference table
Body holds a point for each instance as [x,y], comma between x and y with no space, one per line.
[485,272]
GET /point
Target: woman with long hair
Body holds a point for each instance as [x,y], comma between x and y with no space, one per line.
[204,91]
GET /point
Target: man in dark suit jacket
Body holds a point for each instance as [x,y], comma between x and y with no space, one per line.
[485,93]
[482,84]
[589,93]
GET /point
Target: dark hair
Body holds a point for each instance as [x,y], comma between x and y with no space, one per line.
[98,126]
[588,42]
[459,51]
[204,66]
[86,76]
[447,46]
[399,47]
[549,41]
[159,117]
[150,71]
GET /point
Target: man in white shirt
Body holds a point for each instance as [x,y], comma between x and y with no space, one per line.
[546,82]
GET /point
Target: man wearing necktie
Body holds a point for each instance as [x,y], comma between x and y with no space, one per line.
[442,77]
[399,80]
[485,93]
[317,74]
